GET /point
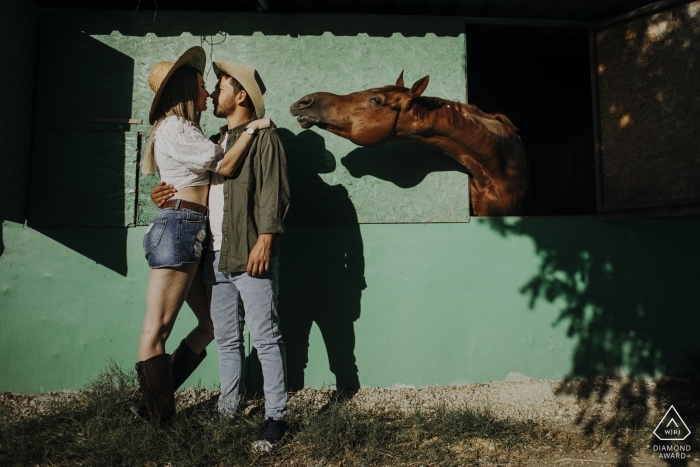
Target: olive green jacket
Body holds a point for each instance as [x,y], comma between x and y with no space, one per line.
[256,198]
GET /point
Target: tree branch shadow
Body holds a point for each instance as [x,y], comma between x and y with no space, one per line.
[623,293]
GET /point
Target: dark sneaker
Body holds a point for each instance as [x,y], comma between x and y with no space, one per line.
[271,433]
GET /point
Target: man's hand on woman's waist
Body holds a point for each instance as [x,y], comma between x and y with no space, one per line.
[161,193]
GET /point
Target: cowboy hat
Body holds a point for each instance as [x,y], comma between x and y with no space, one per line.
[161,72]
[249,79]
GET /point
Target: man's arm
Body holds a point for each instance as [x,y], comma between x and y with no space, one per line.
[161,193]
[259,257]
[273,199]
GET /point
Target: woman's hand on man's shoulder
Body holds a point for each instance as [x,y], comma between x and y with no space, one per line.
[260,124]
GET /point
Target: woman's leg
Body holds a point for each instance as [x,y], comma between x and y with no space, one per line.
[199,338]
[184,359]
[167,289]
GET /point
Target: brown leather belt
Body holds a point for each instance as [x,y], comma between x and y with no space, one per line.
[181,203]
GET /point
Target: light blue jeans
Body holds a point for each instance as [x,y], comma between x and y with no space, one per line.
[232,296]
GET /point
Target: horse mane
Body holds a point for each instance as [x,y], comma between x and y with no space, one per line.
[456,112]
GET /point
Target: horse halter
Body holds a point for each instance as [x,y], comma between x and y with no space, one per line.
[396,121]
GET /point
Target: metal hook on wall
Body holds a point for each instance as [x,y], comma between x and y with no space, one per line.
[212,42]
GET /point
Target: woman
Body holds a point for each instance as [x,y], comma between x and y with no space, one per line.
[174,241]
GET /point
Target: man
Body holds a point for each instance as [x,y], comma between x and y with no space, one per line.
[246,213]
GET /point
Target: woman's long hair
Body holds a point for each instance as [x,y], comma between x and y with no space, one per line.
[178,98]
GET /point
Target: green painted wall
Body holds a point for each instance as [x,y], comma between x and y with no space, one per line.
[443,303]
[19,23]
[422,303]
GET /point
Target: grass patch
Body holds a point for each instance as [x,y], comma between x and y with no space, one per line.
[344,434]
[95,428]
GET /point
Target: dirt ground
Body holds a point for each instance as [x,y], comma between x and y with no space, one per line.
[575,407]
[613,417]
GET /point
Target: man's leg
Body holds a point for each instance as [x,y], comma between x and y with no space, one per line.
[228,332]
[259,296]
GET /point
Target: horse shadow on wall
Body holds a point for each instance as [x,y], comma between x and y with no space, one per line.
[322,267]
[405,164]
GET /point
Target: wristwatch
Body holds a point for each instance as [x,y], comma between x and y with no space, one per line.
[250,131]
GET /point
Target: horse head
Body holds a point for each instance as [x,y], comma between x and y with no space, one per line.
[486,145]
[367,118]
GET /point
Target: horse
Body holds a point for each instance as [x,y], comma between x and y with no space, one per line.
[487,145]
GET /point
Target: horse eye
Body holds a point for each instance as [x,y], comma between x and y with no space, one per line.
[376,101]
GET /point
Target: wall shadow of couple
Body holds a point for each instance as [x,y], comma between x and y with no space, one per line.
[322,267]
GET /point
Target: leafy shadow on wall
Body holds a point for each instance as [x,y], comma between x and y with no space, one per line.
[624,293]
[321,268]
[405,164]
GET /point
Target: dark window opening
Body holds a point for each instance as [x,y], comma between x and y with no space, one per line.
[540,79]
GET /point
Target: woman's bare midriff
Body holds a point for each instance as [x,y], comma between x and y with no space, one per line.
[196,194]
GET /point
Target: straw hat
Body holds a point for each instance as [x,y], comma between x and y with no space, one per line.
[161,72]
[249,79]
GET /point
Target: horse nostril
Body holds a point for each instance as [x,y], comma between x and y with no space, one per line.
[304,103]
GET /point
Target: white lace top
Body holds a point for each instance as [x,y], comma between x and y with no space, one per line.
[183,154]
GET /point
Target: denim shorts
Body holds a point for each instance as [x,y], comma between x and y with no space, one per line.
[175,236]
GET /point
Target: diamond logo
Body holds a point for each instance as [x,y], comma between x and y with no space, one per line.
[671,427]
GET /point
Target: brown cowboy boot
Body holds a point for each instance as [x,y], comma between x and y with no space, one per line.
[184,363]
[156,381]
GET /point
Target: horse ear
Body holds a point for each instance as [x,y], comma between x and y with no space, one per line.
[419,86]
[399,82]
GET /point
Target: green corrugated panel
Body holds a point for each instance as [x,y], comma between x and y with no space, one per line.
[295,56]
[82,179]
